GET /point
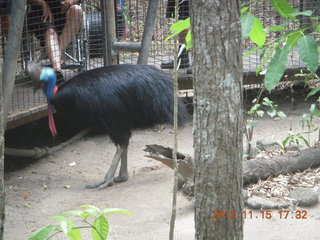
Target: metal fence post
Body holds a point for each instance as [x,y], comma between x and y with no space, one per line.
[148,31]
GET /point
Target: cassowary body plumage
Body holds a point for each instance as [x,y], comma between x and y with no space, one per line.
[116,100]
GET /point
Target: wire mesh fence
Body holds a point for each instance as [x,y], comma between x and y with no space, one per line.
[79,46]
[269,17]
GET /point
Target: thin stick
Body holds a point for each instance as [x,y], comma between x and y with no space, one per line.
[175,126]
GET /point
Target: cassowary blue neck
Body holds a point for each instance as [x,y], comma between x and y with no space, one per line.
[50,79]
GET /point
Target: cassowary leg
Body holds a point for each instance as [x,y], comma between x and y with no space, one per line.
[108,179]
[123,173]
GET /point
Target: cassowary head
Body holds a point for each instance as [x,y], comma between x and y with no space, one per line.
[44,77]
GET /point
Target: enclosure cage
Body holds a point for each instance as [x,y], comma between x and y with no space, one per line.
[88,48]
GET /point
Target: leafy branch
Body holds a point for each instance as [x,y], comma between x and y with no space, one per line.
[99,226]
[257,111]
[274,52]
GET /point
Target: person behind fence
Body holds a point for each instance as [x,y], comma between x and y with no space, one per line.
[55,23]
[5,12]
[183,14]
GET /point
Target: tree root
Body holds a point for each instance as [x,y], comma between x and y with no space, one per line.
[37,152]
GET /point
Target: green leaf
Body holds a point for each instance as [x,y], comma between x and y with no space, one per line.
[268,56]
[267,102]
[282,115]
[292,38]
[318,28]
[178,27]
[251,51]
[115,210]
[257,34]
[91,209]
[66,226]
[272,112]
[304,140]
[254,108]
[304,13]
[276,28]
[312,108]
[189,40]
[260,113]
[42,233]
[313,92]
[75,234]
[276,68]
[285,141]
[101,225]
[247,22]
[283,7]
[308,52]
[244,9]
[263,51]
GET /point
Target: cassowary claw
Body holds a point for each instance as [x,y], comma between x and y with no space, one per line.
[101,185]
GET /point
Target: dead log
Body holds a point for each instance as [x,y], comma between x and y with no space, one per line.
[253,170]
[291,162]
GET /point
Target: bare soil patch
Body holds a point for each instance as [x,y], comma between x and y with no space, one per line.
[37,189]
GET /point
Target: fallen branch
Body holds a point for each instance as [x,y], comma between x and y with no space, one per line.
[44,151]
[253,170]
[262,168]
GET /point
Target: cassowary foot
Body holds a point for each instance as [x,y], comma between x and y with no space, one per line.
[120,179]
[101,185]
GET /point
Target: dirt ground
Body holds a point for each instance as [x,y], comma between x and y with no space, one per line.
[147,194]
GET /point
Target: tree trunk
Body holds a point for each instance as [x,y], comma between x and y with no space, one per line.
[11,54]
[6,88]
[2,197]
[218,121]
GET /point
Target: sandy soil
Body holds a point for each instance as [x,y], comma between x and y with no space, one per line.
[147,194]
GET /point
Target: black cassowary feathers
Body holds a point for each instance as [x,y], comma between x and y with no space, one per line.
[118,99]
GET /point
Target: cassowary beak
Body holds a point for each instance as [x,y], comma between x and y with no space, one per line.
[34,71]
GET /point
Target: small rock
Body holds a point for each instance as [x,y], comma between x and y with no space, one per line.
[268,146]
[304,196]
[262,203]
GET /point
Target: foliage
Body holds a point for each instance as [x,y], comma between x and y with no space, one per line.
[294,138]
[99,225]
[179,27]
[306,122]
[257,111]
[273,52]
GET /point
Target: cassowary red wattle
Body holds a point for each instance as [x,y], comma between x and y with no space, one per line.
[114,100]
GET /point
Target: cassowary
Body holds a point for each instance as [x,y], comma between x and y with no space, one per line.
[114,100]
